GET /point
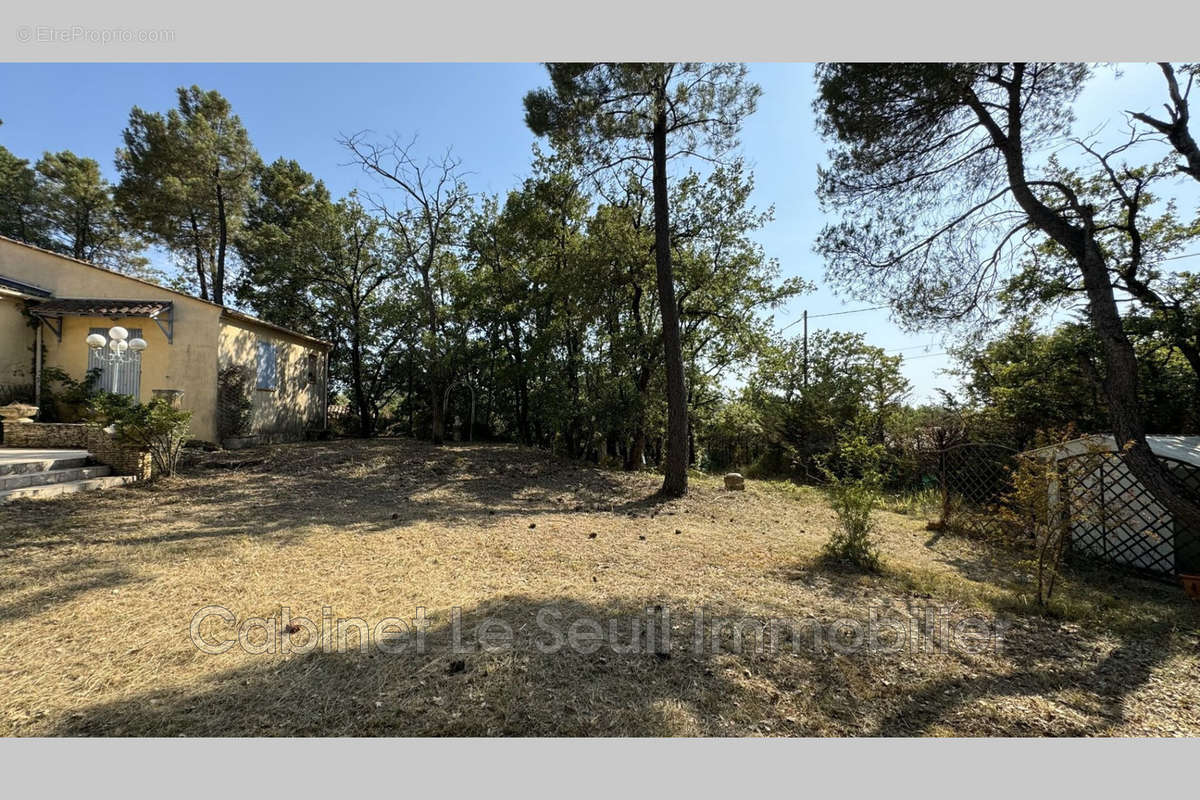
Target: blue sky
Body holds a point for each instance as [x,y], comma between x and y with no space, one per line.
[298,110]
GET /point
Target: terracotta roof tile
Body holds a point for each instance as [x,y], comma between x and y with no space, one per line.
[102,308]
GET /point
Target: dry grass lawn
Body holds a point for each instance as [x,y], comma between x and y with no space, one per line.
[98,591]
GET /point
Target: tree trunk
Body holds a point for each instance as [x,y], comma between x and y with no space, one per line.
[366,425]
[676,479]
[522,384]
[574,422]
[411,399]
[1120,382]
[435,367]
[435,397]
[637,448]
[200,271]
[218,285]
[1120,391]
[79,245]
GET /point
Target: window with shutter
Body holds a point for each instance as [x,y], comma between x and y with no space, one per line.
[266,366]
[125,378]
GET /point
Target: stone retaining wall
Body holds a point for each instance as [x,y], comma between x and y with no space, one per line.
[45,435]
[103,446]
[123,459]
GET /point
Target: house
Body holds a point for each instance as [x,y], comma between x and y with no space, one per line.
[1109,514]
[50,303]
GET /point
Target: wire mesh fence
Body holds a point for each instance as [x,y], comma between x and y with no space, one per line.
[1102,510]
[974,484]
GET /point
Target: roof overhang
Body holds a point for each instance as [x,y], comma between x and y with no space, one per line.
[230,313]
[52,312]
[26,291]
[38,293]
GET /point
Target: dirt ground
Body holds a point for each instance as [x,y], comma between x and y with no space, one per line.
[98,593]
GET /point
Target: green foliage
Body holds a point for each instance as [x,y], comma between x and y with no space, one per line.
[1026,381]
[597,113]
[915,181]
[854,487]
[946,178]
[65,399]
[186,178]
[731,436]
[852,388]
[608,117]
[924,503]
[154,426]
[77,204]
[424,223]
[287,220]
[106,408]
[234,386]
[21,215]
[332,270]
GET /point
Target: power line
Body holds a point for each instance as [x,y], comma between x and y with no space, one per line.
[851,311]
[988,294]
[928,355]
[831,314]
[914,347]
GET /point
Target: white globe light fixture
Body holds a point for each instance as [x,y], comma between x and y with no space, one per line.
[116,350]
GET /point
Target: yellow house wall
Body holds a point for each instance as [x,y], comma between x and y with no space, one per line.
[16,343]
[295,404]
[189,364]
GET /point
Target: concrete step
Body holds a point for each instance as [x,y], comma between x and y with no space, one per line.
[23,462]
[66,487]
[44,477]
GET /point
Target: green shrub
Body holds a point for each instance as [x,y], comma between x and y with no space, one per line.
[105,408]
[854,493]
[155,426]
[65,399]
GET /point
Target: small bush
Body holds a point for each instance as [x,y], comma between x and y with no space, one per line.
[1039,519]
[105,408]
[155,426]
[65,399]
[854,493]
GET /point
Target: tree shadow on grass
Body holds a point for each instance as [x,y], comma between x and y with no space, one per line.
[1082,676]
[63,588]
[620,687]
[362,485]
[472,691]
[1094,695]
